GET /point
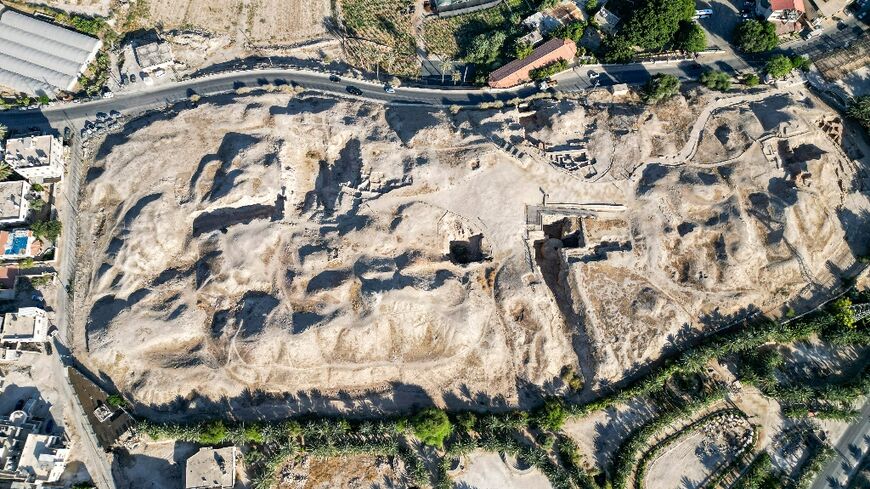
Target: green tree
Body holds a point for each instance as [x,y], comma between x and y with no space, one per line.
[778,66]
[751,80]
[46,230]
[522,49]
[660,87]
[211,433]
[802,63]
[28,262]
[467,421]
[116,401]
[485,47]
[591,7]
[551,416]
[755,36]
[654,24]
[573,31]
[37,204]
[547,4]
[617,49]
[431,426]
[859,109]
[716,80]
[3,132]
[5,171]
[843,313]
[691,37]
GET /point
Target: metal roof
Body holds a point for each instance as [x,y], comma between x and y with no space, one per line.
[38,57]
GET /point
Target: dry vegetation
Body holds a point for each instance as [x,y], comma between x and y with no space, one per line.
[380,33]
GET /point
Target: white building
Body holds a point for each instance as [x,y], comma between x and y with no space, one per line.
[36,158]
[13,202]
[27,456]
[607,20]
[211,468]
[40,58]
[27,325]
[18,244]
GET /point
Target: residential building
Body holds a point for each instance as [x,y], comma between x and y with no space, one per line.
[13,202]
[518,71]
[27,325]
[780,11]
[211,468]
[153,56]
[29,457]
[18,244]
[36,158]
[606,20]
[542,23]
[40,58]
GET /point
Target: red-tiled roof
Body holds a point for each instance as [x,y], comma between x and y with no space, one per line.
[787,5]
[540,54]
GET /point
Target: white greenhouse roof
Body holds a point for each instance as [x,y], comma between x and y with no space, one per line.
[38,57]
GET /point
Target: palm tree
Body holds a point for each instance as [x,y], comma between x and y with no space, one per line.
[5,171]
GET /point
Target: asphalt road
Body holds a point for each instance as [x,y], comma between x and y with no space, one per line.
[73,115]
[853,445]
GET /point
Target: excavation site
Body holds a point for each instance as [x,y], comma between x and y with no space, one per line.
[311,253]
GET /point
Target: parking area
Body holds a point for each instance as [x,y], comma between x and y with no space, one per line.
[727,14]
[103,122]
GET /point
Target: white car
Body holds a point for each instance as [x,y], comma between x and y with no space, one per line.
[389,89]
[108,95]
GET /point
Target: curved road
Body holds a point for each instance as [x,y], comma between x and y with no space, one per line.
[162,95]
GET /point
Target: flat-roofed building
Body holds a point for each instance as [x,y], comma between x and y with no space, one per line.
[36,158]
[40,58]
[211,468]
[13,202]
[518,71]
[8,280]
[18,243]
[27,325]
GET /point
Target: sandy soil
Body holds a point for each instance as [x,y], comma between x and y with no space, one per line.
[87,7]
[352,472]
[488,471]
[311,245]
[154,465]
[258,22]
[342,255]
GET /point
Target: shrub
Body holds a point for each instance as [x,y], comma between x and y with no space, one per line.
[573,31]
[5,171]
[37,204]
[431,426]
[691,37]
[551,416]
[778,66]
[467,421]
[716,80]
[46,230]
[755,36]
[211,433]
[859,109]
[549,70]
[660,87]
[116,401]
[802,63]
[522,49]
[843,313]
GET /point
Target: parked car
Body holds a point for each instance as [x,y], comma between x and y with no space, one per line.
[334,78]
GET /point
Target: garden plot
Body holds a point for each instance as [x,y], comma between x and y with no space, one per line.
[380,36]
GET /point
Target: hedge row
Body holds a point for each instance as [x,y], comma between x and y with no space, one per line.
[626,454]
